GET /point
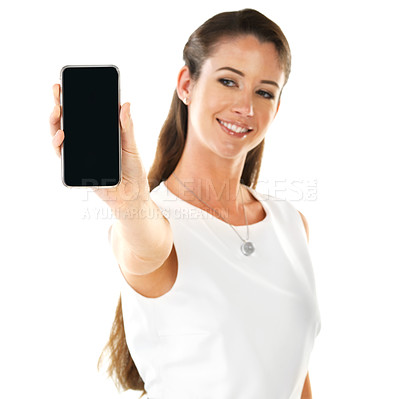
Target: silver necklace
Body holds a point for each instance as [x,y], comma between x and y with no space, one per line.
[247,246]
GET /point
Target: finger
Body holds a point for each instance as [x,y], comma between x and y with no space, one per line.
[127,137]
[56,93]
[55,118]
[57,141]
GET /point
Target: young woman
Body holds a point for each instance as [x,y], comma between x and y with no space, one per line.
[218,298]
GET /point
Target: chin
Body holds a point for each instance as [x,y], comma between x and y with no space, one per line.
[230,151]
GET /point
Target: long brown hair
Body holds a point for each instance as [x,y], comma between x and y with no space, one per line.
[172,140]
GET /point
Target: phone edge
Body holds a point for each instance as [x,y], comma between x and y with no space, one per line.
[119,130]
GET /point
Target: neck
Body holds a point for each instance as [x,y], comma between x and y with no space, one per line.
[215,183]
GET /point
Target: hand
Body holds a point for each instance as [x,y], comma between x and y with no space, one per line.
[134,185]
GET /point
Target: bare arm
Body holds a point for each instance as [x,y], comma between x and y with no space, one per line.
[141,243]
[306,394]
[141,238]
[305,225]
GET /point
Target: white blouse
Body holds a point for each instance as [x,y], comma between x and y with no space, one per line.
[232,326]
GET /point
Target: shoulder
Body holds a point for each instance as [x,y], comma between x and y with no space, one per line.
[286,205]
[162,197]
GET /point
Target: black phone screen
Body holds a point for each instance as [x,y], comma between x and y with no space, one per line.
[90,120]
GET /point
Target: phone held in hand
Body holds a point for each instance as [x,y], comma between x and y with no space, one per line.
[91,152]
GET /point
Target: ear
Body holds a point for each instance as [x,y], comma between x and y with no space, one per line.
[184,84]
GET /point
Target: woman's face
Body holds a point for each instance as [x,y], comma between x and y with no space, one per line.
[235,98]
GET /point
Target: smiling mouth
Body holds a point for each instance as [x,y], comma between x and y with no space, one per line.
[234,128]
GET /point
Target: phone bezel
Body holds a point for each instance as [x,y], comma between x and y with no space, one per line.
[119,130]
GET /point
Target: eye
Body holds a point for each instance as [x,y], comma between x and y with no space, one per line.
[265,94]
[227,82]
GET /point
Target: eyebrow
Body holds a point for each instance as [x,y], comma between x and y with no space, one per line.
[270,82]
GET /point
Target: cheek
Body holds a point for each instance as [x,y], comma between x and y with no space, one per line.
[213,99]
[266,112]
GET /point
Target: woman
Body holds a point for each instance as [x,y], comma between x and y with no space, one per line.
[218,297]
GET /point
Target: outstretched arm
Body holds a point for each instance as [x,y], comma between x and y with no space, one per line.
[306,394]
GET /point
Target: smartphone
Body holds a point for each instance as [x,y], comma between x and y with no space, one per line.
[90,100]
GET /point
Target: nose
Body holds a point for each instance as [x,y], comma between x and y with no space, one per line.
[244,104]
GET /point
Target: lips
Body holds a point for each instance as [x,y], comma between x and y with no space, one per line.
[235,128]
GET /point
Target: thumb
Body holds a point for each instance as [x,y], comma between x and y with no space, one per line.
[127,138]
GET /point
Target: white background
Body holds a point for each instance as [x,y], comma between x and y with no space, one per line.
[335,137]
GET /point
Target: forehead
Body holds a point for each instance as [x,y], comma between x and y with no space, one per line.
[247,54]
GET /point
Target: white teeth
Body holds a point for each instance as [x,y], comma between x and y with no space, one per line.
[234,128]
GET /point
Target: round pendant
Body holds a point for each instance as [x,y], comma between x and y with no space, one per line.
[247,248]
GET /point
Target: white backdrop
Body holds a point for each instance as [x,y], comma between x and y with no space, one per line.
[332,151]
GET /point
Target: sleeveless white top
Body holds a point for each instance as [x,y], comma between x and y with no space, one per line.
[232,326]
